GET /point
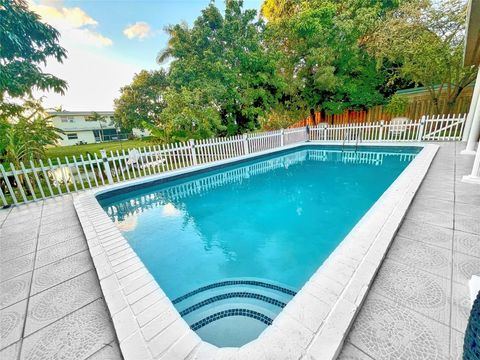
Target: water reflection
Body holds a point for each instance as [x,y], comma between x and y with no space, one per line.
[125,211]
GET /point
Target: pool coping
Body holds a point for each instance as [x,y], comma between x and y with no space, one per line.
[313,325]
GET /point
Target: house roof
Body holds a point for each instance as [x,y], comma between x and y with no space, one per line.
[79,113]
[419,90]
[471,55]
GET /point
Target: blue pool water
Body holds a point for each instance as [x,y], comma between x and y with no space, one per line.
[231,246]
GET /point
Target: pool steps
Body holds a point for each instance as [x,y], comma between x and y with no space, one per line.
[257,300]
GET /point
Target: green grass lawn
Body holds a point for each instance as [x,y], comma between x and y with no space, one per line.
[77,150]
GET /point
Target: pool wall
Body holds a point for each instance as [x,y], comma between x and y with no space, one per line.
[312,325]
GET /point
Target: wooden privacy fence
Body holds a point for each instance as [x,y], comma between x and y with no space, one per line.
[420,104]
[41,180]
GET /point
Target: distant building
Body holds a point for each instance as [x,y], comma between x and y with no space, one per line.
[78,130]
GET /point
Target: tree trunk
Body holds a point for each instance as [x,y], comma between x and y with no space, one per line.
[435,105]
[312,116]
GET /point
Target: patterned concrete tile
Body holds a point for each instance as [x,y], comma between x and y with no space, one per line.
[15,289]
[472,196]
[108,352]
[68,214]
[468,210]
[51,305]
[11,323]
[16,235]
[461,306]
[29,208]
[386,330]
[61,250]
[434,194]
[432,204]
[414,289]
[466,243]
[456,345]
[59,236]
[11,352]
[13,251]
[3,215]
[464,266]
[427,233]
[76,336]
[467,224]
[25,217]
[430,185]
[350,352]
[15,267]
[59,271]
[26,222]
[58,225]
[422,256]
[433,217]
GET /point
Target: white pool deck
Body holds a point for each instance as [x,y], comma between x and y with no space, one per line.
[52,305]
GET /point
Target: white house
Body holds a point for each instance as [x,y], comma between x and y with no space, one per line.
[78,130]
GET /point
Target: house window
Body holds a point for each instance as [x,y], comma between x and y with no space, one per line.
[66,119]
[72,136]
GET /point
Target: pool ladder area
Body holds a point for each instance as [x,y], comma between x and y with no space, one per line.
[234,311]
[358,137]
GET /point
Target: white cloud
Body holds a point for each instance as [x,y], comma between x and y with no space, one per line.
[75,17]
[94,75]
[73,23]
[139,30]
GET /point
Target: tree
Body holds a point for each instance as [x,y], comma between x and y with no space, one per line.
[223,57]
[142,101]
[274,10]
[191,114]
[324,62]
[28,138]
[25,44]
[425,40]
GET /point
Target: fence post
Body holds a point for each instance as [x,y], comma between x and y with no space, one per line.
[193,152]
[106,165]
[380,135]
[325,126]
[307,133]
[421,128]
[282,137]
[245,144]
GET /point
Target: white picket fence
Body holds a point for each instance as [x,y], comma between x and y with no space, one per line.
[37,181]
[436,128]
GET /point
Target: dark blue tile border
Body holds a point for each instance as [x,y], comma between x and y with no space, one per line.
[231,312]
[231,295]
[235,282]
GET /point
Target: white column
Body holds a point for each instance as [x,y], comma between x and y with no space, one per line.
[474,131]
[473,105]
[474,177]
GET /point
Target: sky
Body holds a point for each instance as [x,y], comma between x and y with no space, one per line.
[107,42]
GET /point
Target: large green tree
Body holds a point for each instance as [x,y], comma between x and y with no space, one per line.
[25,44]
[222,58]
[425,40]
[141,102]
[324,60]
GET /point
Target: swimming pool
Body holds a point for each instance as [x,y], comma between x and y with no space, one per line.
[231,246]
